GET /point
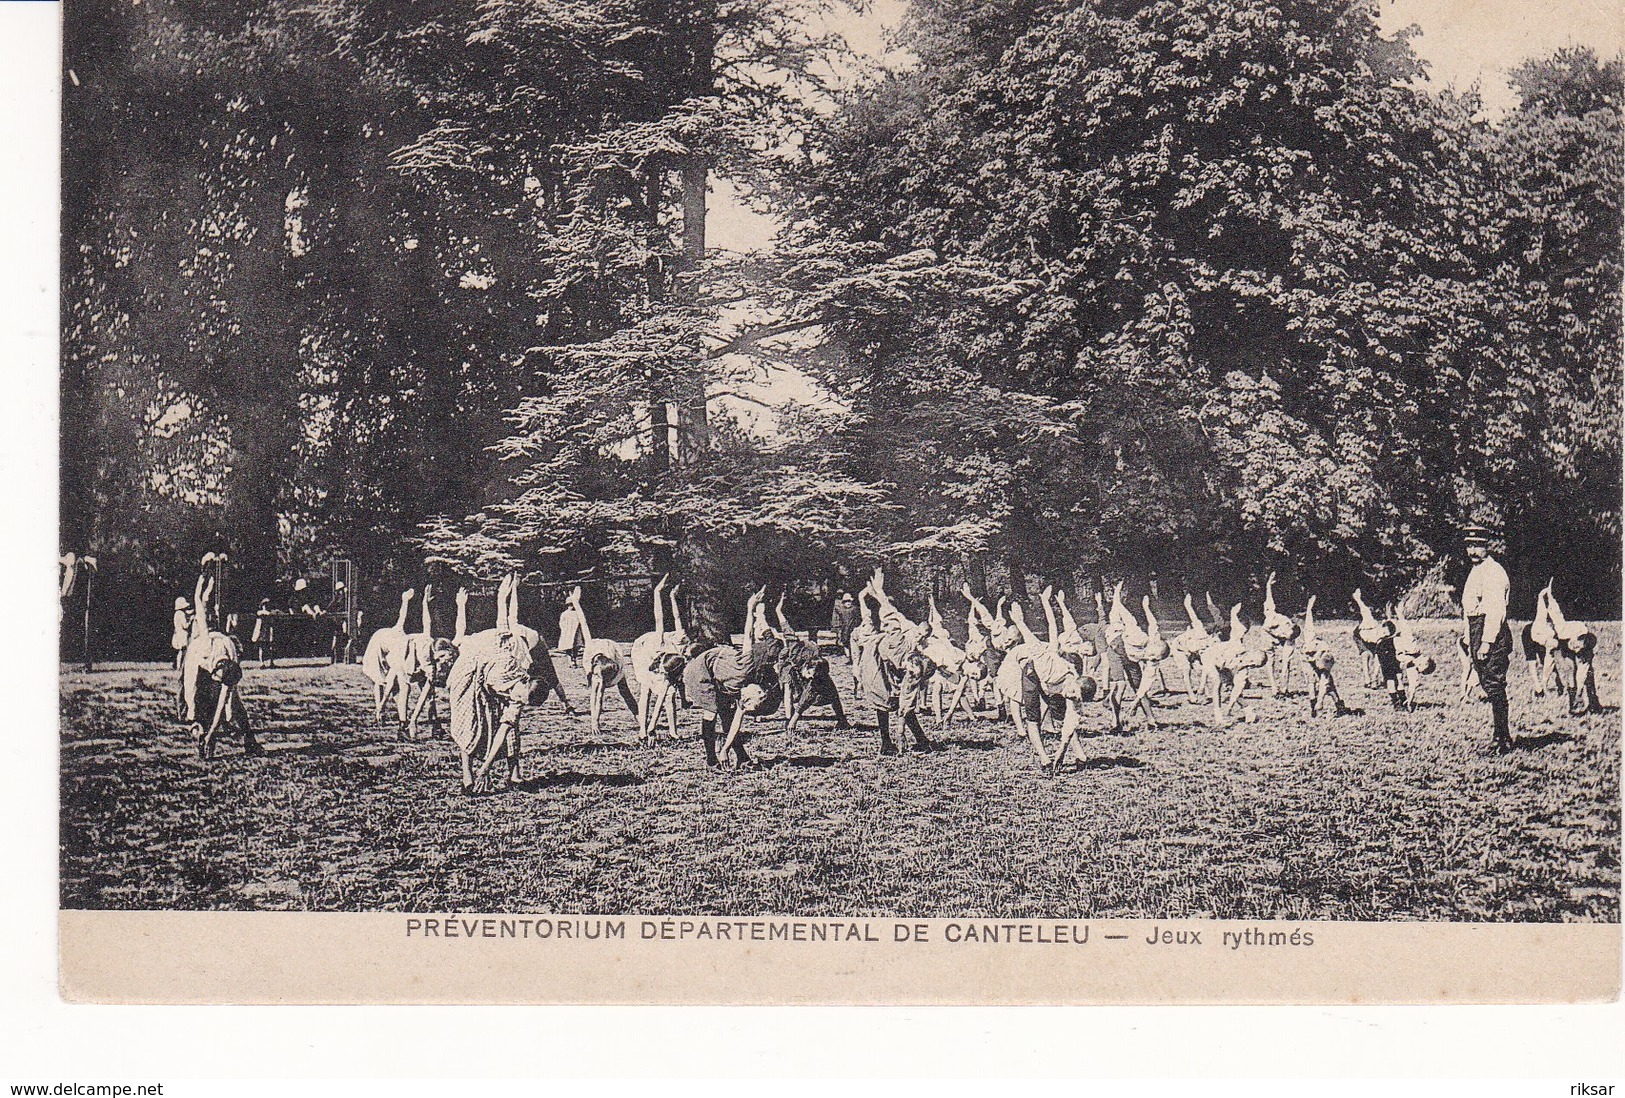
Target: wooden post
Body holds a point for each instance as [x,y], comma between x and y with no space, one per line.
[90,574]
[342,571]
[219,596]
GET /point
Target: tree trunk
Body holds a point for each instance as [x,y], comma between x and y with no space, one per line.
[660,423]
[712,577]
[976,575]
[659,434]
[693,409]
[1018,580]
[254,515]
[710,573]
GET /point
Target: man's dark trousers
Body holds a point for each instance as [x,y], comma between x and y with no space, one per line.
[1492,674]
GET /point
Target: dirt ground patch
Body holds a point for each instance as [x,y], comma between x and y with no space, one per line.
[1380,815]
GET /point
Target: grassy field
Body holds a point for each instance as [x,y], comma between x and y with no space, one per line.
[1380,815]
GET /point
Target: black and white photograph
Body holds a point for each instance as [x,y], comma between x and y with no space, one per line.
[971,460]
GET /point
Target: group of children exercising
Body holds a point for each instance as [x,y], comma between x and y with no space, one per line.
[899,668]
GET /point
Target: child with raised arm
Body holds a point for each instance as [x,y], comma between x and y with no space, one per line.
[1318,654]
[657,659]
[211,668]
[1034,678]
[804,676]
[1575,654]
[542,671]
[606,666]
[489,684]
[724,683]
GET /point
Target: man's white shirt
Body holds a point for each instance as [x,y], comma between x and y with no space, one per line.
[1485,594]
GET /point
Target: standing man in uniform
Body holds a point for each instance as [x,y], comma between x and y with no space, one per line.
[843,619]
[1489,641]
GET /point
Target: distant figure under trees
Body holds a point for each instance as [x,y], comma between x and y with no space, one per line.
[844,618]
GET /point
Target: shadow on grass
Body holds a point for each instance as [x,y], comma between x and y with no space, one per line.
[567,779]
[1193,724]
[960,743]
[1545,739]
[824,721]
[310,750]
[595,748]
[1106,762]
[810,762]
[860,728]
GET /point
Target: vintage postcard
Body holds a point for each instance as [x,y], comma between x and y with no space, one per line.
[819,501]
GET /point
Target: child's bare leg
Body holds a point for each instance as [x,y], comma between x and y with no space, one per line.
[403,695]
[1142,699]
[626,697]
[498,744]
[425,700]
[1069,737]
[1239,683]
[1030,731]
[733,730]
[595,703]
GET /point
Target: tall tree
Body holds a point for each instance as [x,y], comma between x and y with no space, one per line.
[300,245]
[1248,241]
[1537,344]
[625,454]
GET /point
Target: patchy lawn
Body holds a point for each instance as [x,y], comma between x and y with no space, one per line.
[1381,815]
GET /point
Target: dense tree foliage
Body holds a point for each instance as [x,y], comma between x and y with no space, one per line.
[292,277]
[1543,363]
[314,247]
[1276,314]
[1117,287]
